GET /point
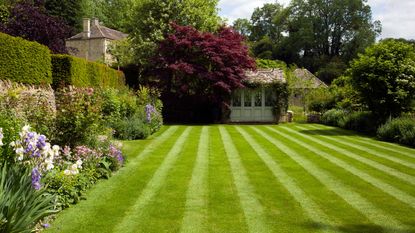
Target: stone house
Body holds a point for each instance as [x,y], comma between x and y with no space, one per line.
[92,43]
[256,104]
[302,82]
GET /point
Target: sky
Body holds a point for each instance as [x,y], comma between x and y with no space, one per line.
[397,16]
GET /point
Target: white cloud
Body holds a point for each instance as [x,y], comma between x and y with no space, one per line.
[395,15]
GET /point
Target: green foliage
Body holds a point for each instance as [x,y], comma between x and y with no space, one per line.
[320,100]
[333,117]
[359,121]
[345,95]
[78,117]
[69,70]
[115,14]
[21,206]
[264,23]
[132,128]
[243,26]
[364,122]
[151,22]
[11,126]
[24,61]
[384,78]
[401,130]
[125,112]
[69,10]
[270,64]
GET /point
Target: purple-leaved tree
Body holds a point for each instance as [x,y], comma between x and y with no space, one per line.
[202,67]
[30,21]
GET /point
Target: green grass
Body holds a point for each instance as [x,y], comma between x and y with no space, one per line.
[285,178]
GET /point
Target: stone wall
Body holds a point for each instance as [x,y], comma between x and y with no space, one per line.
[23,100]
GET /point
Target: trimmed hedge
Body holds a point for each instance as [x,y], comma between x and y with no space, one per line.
[69,70]
[24,61]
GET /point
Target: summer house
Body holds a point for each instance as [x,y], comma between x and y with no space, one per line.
[256,102]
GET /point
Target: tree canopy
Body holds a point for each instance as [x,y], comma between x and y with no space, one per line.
[321,35]
[151,21]
[201,65]
[384,77]
[31,21]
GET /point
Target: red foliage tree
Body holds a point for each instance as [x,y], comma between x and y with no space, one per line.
[191,62]
[202,66]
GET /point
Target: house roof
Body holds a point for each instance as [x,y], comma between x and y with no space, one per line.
[264,76]
[99,31]
[307,79]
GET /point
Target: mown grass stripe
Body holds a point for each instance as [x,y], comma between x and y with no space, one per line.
[253,210]
[144,154]
[311,209]
[354,199]
[392,147]
[389,189]
[194,219]
[367,150]
[385,169]
[396,149]
[134,213]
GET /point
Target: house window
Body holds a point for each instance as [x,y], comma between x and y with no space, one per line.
[247,98]
[258,98]
[270,98]
[236,99]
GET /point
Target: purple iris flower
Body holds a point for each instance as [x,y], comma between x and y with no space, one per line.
[36,179]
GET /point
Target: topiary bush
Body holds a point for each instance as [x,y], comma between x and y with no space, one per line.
[24,61]
[401,129]
[69,70]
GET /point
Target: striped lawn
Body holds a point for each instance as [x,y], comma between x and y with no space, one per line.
[241,178]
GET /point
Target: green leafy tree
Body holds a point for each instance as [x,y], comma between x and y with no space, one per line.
[243,26]
[384,78]
[114,14]
[70,11]
[263,23]
[151,22]
[322,30]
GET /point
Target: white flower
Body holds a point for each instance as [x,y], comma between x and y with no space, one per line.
[79,163]
[55,150]
[49,164]
[67,172]
[12,144]
[25,128]
[1,137]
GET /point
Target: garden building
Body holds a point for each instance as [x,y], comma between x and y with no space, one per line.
[93,42]
[263,99]
[301,83]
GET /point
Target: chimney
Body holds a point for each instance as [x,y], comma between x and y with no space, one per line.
[87,28]
[95,22]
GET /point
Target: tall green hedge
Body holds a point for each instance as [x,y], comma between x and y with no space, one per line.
[69,70]
[24,61]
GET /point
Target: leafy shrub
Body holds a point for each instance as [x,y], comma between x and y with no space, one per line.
[333,117]
[34,105]
[24,61]
[78,117]
[359,121]
[21,206]
[77,170]
[132,128]
[320,100]
[69,70]
[400,130]
[10,126]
